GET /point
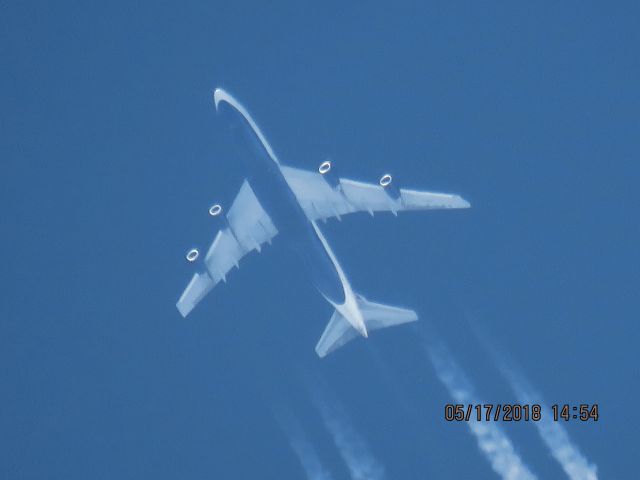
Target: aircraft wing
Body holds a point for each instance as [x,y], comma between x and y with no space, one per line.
[320,200]
[249,228]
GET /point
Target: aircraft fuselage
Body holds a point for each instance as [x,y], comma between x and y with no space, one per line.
[301,234]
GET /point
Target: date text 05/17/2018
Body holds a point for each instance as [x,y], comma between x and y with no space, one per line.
[488,412]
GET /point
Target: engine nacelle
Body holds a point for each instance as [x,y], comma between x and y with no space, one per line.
[325,169]
[192,255]
[215,210]
[386,182]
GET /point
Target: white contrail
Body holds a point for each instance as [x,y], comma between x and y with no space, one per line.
[553,434]
[492,441]
[353,449]
[302,447]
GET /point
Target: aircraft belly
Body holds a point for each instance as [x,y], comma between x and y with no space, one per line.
[280,203]
[298,232]
[323,272]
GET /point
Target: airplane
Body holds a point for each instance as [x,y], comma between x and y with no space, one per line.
[279,199]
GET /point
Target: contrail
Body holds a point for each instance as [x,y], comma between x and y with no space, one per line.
[301,446]
[553,434]
[491,439]
[353,449]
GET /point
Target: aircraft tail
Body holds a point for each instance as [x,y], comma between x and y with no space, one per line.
[376,316]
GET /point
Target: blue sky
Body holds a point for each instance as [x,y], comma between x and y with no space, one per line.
[111,153]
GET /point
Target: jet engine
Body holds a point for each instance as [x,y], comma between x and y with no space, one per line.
[326,171]
[215,210]
[192,255]
[386,182]
[325,167]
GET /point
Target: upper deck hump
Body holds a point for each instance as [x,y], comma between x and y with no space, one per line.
[220,95]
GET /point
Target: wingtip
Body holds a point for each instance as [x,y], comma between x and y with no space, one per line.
[462,203]
[183,308]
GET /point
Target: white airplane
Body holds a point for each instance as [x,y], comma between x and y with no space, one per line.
[280,199]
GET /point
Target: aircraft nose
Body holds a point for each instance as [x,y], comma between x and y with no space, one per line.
[218,95]
[227,110]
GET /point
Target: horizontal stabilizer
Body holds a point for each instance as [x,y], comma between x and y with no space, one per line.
[376,316]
